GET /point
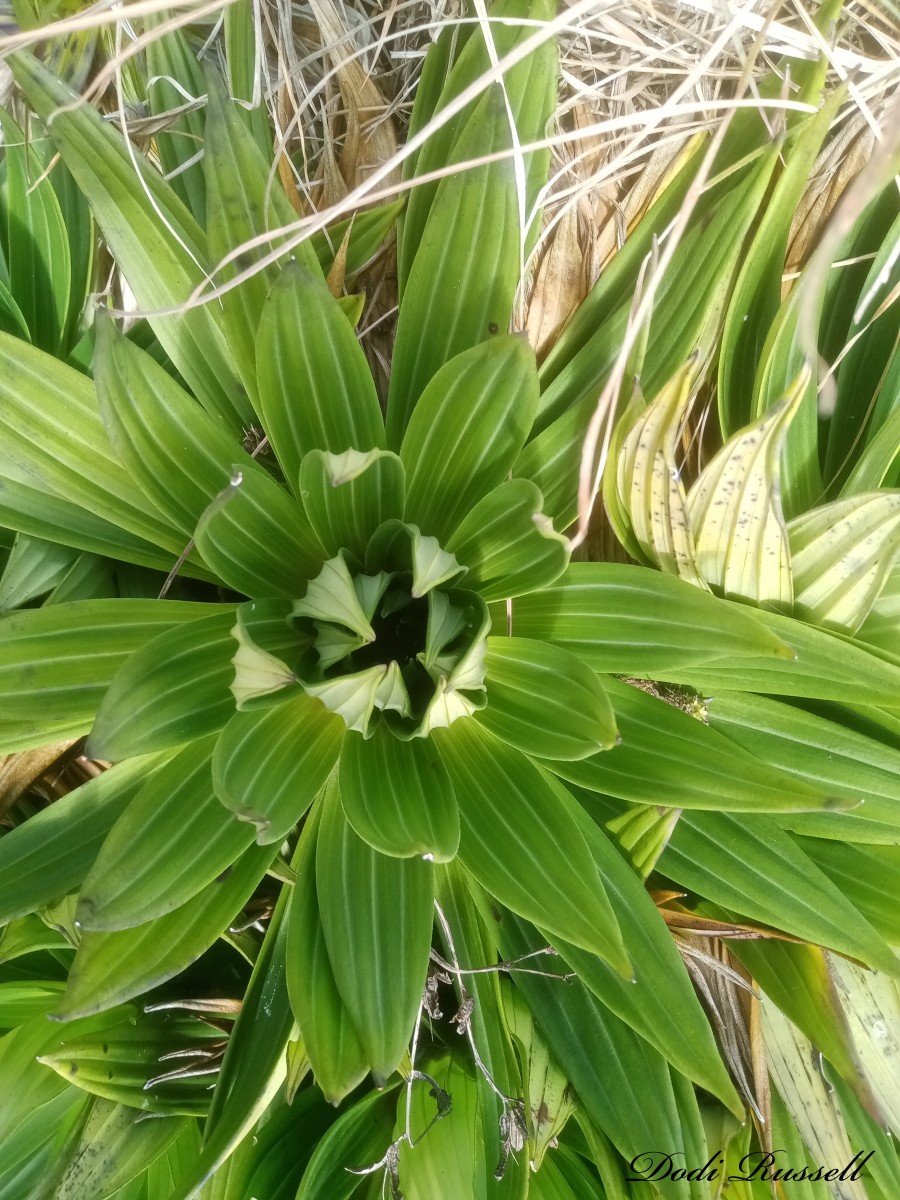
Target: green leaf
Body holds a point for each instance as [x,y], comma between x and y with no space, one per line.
[358,1137]
[346,496]
[171,62]
[367,231]
[54,435]
[338,1060]
[521,844]
[398,796]
[174,688]
[34,567]
[544,701]
[869,876]
[454,298]
[269,764]
[316,391]
[50,853]
[173,840]
[465,433]
[112,967]
[633,621]
[822,753]
[749,865]
[376,914]
[507,544]
[842,555]
[38,244]
[138,212]
[52,677]
[244,202]
[666,757]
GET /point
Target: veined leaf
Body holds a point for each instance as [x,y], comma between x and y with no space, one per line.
[869,876]
[735,511]
[348,495]
[544,701]
[648,481]
[666,757]
[454,299]
[52,676]
[467,428]
[112,967]
[269,764]
[376,914]
[748,865]
[171,59]
[357,1138]
[54,435]
[137,212]
[505,801]
[116,1147]
[842,555]
[173,840]
[34,567]
[398,796]
[329,1037]
[316,391]
[633,621]
[507,544]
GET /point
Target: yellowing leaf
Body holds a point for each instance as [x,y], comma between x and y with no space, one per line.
[735,509]
[842,555]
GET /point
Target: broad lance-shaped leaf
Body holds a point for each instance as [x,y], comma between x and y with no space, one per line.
[359,1135]
[749,866]
[506,802]
[648,481]
[316,391]
[398,797]
[34,567]
[52,679]
[111,967]
[507,544]
[50,854]
[453,298]
[174,839]
[633,621]
[466,431]
[346,496]
[54,439]
[181,684]
[269,764]
[666,757]
[243,203]
[137,212]
[376,914]
[735,510]
[203,481]
[544,701]
[869,876]
[842,555]
[329,1037]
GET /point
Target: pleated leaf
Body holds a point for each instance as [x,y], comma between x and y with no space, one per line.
[269,764]
[842,554]
[173,840]
[347,496]
[34,567]
[454,298]
[357,1138]
[544,701]
[648,482]
[749,866]
[316,391]
[398,796]
[329,1037]
[871,1004]
[111,967]
[50,854]
[55,437]
[630,620]
[466,432]
[507,543]
[735,510]
[666,757]
[137,212]
[376,914]
[52,677]
[522,845]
